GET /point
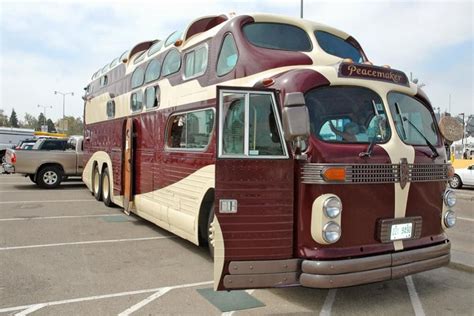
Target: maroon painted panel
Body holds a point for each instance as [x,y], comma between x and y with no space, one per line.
[262,228]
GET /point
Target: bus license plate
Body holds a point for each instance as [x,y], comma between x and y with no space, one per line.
[401,231]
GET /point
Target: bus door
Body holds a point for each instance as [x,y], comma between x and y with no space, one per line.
[127,183]
[252,231]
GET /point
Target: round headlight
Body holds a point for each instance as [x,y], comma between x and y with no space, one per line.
[450,198]
[331,232]
[450,219]
[332,207]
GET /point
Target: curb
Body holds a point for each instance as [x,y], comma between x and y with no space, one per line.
[461,266]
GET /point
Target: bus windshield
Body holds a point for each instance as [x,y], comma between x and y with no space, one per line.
[347,115]
[413,120]
[337,46]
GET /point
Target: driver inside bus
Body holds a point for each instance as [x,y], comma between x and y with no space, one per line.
[349,132]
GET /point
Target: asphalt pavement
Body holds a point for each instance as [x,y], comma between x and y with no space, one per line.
[64,253]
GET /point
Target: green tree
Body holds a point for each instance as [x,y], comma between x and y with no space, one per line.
[3,119]
[41,120]
[30,121]
[13,119]
[72,125]
[51,127]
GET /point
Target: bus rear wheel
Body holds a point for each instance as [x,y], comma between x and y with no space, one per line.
[106,195]
[96,185]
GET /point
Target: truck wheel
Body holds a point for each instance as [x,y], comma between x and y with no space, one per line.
[96,185]
[32,178]
[210,233]
[49,177]
[106,195]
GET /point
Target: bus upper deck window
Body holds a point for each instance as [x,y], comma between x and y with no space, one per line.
[337,46]
[172,62]
[228,56]
[277,36]
[153,71]
[138,77]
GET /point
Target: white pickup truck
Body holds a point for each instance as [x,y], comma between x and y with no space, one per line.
[47,168]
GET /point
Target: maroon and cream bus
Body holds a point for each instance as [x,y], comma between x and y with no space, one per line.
[276,142]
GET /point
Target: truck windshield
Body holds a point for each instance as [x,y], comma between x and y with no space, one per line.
[409,115]
[347,115]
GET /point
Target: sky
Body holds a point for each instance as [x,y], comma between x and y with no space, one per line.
[58,45]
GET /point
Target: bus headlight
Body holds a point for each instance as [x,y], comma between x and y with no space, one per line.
[449,198]
[332,207]
[331,232]
[450,219]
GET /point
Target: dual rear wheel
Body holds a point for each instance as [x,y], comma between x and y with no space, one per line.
[101,188]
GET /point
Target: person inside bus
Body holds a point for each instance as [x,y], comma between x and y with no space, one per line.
[349,132]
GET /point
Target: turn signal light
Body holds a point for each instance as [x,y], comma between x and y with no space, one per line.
[450,171]
[334,174]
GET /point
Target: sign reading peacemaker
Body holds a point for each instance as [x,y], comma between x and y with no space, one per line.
[373,73]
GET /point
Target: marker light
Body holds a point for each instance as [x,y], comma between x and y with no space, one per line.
[267,82]
[368,63]
[450,219]
[449,198]
[334,174]
[332,207]
[386,66]
[331,232]
[178,42]
[348,60]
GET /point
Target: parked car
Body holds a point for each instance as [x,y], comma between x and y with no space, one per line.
[462,176]
[26,144]
[49,162]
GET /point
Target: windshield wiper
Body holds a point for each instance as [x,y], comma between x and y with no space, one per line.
[369,150]
[430,145]
[399,113]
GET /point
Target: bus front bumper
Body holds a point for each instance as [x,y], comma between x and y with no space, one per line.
[335,273]
[342,273]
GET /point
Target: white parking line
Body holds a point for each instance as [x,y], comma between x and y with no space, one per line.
[47,201]
[30,310]
[415,300]
[144,302]
[328,302]
[85,242]
[57,217]
[466,219]
[42,191]
[99,297]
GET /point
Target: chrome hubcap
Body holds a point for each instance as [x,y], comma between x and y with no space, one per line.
[96,181]
[105,186]
[50,177]
[211,233]
[454,182]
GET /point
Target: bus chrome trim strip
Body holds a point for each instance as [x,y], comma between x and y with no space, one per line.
[312,173]
[242,281]
[266,266]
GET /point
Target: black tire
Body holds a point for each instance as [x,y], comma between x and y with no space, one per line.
[455,182]
[106,190]
[49,177]
[32,178]
[209,239]
[96,184]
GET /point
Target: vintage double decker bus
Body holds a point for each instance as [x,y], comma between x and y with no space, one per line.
[277,143]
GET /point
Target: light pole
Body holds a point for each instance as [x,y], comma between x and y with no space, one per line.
[301,9]
[44,111]
[462,142]
[64,94]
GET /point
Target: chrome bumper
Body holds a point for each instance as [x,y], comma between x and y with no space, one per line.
[7,168]
[335,273]
[342,273]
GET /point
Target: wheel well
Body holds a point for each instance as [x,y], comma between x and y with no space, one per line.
[49,165]
[204,210]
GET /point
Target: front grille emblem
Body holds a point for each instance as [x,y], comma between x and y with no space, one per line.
[404,172]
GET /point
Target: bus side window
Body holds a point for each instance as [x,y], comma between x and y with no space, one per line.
[191,130]
[111,109]
[152,97]
[228,56]
[136,101]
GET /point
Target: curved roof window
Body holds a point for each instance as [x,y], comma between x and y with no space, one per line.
[173,38]
[155,47]
[172,62]
[138,77]
[277,36]
[337,46]
[153,70]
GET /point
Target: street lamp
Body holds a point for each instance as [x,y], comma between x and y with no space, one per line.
[64,94]
[462,114]
[44,111]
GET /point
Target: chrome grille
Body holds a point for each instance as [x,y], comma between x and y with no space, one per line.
[376,173]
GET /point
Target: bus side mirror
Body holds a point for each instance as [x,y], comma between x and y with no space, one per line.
[295,119]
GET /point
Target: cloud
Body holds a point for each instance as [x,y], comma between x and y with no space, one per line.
[47,46]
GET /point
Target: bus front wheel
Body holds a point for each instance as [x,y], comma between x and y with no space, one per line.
[106,188]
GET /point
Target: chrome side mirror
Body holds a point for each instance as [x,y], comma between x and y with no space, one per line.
[451,129]
[296,121]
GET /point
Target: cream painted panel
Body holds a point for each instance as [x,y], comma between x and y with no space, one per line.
[178,204]
[219,251]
